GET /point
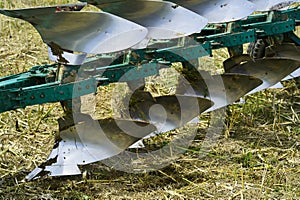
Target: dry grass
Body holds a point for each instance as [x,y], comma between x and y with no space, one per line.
[258,159]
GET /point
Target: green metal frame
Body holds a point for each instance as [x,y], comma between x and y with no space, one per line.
[41,85]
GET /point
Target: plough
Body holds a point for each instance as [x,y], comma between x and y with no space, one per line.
[130,40]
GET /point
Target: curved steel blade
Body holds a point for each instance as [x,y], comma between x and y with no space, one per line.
[280,4]
[87,32]
[284,50]
[269,70]
[261,5]
[29,14]
[71,59]
[91,141]
[164,20]
[234,87]
[67,58]
[222,89]
[266,5]
[234,61]
[293,75]
[219,11]
[167,112]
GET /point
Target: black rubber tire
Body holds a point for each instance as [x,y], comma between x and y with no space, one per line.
[256,49]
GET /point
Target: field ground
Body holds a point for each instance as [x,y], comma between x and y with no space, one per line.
[257,155]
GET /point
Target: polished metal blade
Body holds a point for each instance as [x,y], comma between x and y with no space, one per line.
[293,75]
[269,70]
[280,4]
[67,58]
[261,5]
[164,20]
[222,89]
[277,86]
[219,11]
[233,87]
[91,141]
[167,112]
[234,61]
[29,14]
[179,109]
[266,5]
[288,51]
[88,32]
[284,50]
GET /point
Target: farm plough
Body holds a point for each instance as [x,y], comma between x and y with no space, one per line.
[129,40]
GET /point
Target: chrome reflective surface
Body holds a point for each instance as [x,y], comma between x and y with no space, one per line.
[284,50]
[167,112]
[91,141]
[232,88]
[219,11]
[68,58]
[164,20]
[261,5]
[223,89]
[32,15]
[269,70]
[293,75]
[88,32]
[280,4]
